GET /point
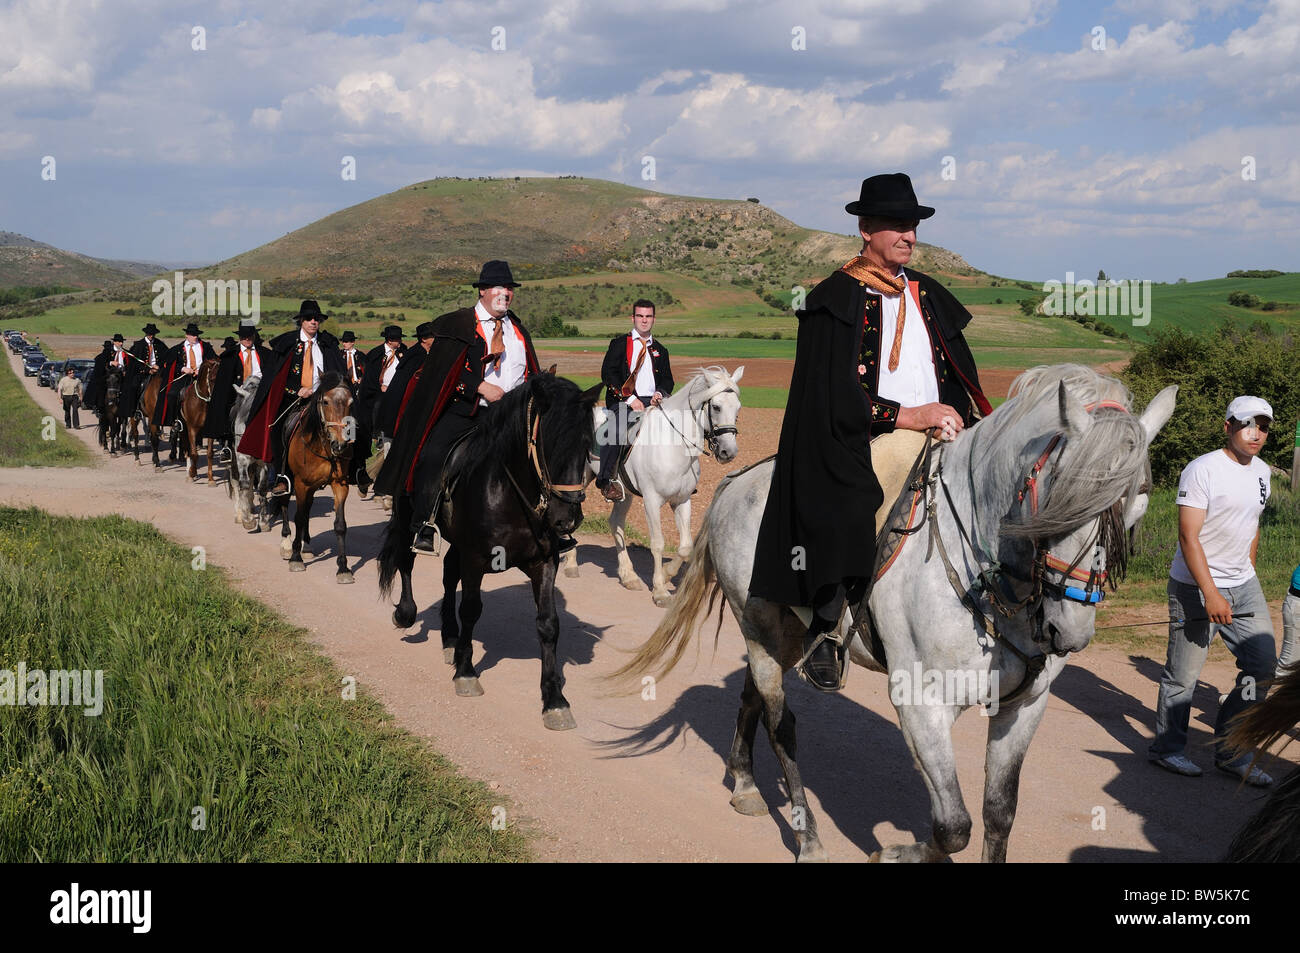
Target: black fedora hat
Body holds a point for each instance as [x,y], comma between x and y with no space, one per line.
[889,196]
[392,333]
[425,330]
[150,328]
[496,274]
[118,337]
[229,344]
[347,337]
[193,328]
[310,309]
[246,330]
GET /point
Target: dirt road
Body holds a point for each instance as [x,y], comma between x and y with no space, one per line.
[643,779]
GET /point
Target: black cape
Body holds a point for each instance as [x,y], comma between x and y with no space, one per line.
[452,370]
[818,526]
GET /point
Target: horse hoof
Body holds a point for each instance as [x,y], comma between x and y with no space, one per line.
[344,578]
[571,572]
[468,687]
[449,654]
[633,583]
[297,565]
[751,804]
[813,853]
[559,719]
[286,548]
[403,620]
[663,600]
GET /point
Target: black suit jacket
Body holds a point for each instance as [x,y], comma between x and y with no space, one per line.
[230,374]
[617,366]
[370,397]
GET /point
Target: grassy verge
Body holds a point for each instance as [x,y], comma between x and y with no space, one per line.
[210,700]
[1279,551]
[28,436]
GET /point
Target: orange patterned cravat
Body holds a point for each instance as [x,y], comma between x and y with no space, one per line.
[306,365]
[886,284]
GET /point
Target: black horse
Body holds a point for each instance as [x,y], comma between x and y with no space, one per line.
[111,421]
[515,486]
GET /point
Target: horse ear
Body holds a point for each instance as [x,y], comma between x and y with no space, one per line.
[551,370]
[538,391]
[1075,419]
[735,377]
[592,393]
[1159,411]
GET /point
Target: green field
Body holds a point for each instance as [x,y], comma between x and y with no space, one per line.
[210,701]
[24,427]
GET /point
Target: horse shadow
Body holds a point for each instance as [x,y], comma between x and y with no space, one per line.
[499,627]
[846,751]
[604,557]
[1187,819]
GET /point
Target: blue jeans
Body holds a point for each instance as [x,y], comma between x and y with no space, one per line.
[1250,640]
[1290,629]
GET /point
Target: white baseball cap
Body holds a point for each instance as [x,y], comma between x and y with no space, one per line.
[1246,409]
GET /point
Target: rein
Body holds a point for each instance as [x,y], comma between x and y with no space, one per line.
[990,571]
[564,492]
[712,432]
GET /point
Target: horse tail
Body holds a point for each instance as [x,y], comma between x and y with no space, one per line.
[678,625]
[396,539]
[1260,726]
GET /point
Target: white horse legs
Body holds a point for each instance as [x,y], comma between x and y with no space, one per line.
[617,519]
[682,517]
[1010,732]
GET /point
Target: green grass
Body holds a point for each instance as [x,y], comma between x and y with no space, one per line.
[24,427]
[1199,306]
[211,700]
[1279,551]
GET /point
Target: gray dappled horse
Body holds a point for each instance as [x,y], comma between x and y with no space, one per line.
[664,467]
[1036,497]
[246,476]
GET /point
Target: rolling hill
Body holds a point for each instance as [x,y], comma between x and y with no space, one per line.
[439,232]
[25,261]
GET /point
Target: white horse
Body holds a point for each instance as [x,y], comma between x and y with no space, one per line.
[246,477]
[1026,512]
[663,466]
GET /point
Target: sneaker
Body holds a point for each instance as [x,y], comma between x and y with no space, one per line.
[1240,767]
[1178,764]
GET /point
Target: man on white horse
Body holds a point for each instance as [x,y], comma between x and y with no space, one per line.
[638,375]
[879,348]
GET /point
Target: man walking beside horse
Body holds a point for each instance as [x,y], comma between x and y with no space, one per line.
[879,349]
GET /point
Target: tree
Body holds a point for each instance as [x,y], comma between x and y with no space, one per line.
[1101,275]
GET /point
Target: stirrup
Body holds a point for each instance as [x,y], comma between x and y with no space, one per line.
[433,542]
[275,486]
[841,659]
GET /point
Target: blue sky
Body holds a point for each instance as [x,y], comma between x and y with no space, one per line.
[1066,157]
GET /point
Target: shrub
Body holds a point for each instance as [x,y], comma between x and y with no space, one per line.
[1243,299]
[1210,370]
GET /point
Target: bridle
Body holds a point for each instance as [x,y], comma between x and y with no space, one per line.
[712,433]
[991,573]
[547,489]
[322,433]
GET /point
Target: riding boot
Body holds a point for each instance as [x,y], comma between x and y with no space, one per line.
[278,477]
[823,667]
[426,531]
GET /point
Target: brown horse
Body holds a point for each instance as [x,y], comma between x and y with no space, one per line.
[319,454]
[144,416]
[194,412]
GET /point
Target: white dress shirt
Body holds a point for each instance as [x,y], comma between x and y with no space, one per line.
[508,373]
[194,355]
[119,356]
[386,377]
[316,358]
[645,377]
[255,365]
[153,352]
[915,382]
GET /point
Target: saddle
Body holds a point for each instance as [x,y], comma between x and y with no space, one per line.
[442,501]
[620,465]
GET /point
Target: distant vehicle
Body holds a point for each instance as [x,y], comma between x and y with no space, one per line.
[50,372]
[32,363]
[81,367]
[16,343]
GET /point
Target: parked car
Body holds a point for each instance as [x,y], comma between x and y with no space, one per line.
[50,372]
[81,367]
[32,363]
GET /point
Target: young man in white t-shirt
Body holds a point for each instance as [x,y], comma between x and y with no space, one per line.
[1213,588]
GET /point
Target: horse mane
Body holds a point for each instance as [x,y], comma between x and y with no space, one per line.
[712,373]
[502,429]
[1094,471]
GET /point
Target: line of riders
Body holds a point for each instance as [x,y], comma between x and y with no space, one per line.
[485,352]
[918,375]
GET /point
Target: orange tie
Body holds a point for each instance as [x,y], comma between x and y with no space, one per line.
[193,357]
[352,374]
[248,363]
[306,365]
[498,347]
